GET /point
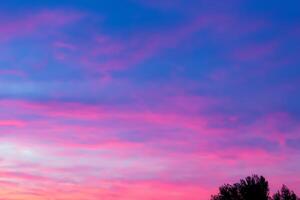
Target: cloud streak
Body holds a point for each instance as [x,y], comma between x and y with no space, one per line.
[169,107]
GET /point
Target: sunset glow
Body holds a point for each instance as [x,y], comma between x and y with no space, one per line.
[147,99]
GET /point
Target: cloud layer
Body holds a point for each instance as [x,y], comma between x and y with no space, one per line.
[160,101]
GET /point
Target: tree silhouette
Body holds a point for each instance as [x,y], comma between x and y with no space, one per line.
[285,194]
[252,188]
[228,192]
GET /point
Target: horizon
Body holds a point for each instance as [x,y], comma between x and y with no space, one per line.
[147,100]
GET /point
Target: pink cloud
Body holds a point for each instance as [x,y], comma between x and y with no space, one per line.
[255,51]
[12,123]
[31,23]
[106,53]
[150,141]
[22,176]
[17,73]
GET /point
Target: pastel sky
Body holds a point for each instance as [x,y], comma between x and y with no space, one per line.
[147,99]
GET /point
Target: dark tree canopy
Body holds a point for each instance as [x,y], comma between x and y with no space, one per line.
[285,194]
[252,188]
[228,192]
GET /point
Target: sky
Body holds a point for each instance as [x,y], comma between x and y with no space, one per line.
[147,99]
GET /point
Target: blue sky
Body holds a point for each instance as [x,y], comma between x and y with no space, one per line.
[164,93]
